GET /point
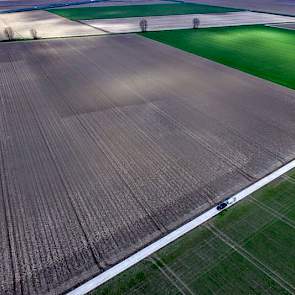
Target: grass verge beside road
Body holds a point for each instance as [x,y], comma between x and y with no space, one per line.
[85,13]
[258,50]
[248,249]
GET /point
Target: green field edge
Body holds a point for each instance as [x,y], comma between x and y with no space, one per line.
[219,55]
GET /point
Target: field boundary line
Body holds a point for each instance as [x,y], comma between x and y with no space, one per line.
[279,26]
[177,233]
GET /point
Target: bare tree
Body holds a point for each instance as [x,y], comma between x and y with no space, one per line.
[34,34]
[196,23]
[143,25]
[8,32]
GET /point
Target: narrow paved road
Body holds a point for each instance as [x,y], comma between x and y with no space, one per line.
[144,253]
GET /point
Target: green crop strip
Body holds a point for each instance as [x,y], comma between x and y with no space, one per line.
[262,51]
[138,10]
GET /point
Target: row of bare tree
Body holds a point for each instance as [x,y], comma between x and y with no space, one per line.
[9,33]
[144,24]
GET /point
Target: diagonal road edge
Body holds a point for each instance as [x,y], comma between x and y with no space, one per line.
[162,242]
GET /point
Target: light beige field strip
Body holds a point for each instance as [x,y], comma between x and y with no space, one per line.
[158,23]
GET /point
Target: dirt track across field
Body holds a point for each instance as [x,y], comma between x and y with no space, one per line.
[108,143]
[170,22]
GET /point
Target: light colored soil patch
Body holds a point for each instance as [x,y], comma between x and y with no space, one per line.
[273,6]
[46,24]
[158,23]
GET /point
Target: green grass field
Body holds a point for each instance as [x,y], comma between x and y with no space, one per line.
[247,249]
[262,51]
[138,10]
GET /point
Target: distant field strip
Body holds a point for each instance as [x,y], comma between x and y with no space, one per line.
[248,249]
[109,143]
[47,25]
[11,5]
[259,50]
[138,10]
[286,7]
[172,22]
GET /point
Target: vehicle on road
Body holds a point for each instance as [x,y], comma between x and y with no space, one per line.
[225,203]
[221,206]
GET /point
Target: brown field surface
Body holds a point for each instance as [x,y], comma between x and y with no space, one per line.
[108,143]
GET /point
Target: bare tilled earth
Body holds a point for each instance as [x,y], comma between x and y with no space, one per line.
[108,143]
